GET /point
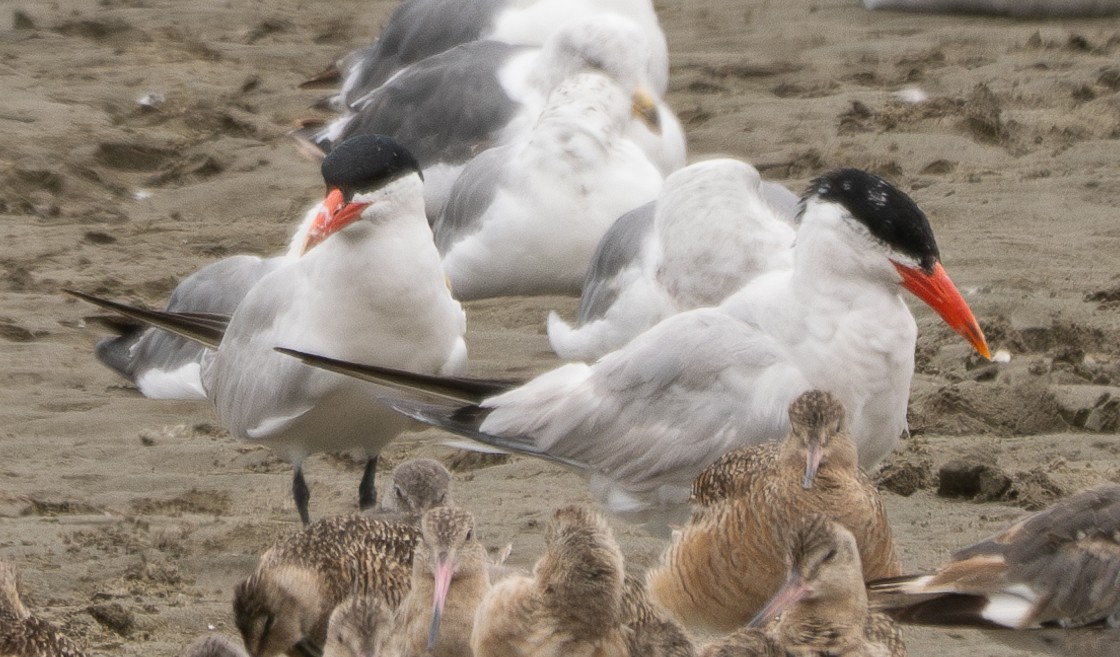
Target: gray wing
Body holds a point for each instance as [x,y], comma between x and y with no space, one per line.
[147,354]
[416,30]
[471,195]
[660,409]
[620,247]
[445,108]
[1068,553]
[783,201]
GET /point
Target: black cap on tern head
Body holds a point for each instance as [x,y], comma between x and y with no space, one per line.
[366,162]
[887,212]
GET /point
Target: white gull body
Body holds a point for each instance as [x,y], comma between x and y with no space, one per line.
[715,226]
[448,108]
[525,218]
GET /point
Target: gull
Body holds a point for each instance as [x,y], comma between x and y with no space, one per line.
[368,286]
[643,421]
[1050,581]
[524,218]
[418,29]
[448,108]
[714,227]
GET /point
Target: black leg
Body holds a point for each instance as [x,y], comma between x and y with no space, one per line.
[367,492]
[302,494]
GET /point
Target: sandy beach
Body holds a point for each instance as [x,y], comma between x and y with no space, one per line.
[131,520]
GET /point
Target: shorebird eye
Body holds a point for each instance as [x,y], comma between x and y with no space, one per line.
[398,492]
[470,532]
[829,556]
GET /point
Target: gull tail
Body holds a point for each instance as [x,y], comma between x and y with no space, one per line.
[206,329]
[462,390]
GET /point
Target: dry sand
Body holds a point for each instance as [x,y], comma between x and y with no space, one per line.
[131,519]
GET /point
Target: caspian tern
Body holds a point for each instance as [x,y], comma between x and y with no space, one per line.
[368,286]
[716,225]
[644,420]
[525,218]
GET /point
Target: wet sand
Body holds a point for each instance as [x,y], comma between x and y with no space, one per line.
[131,520]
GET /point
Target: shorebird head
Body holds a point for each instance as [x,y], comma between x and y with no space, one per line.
[418,485]
[276,612]
[825,572]
[359,627]
[214,645]
[581,573]
[447,550]
[360,173]
[881,231]
[819,435]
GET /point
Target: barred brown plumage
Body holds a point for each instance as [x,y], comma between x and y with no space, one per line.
[23,634]
[299,581]
[570,607]
[449,580]
[729,559]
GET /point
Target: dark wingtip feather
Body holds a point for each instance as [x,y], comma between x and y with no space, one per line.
[457,389]
[466,421]
[206,329]
[949,609]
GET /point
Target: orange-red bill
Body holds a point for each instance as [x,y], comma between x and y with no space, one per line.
[335,215]
[939,293]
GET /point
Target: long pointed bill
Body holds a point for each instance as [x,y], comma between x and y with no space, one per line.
[335,215]
[644,107]
[940,294]
[812,462]
[793,590]
[439,598]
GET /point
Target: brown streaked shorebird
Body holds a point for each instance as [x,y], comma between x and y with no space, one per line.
[652,631]
[416,486]
[449,580]
[821,609]
[23,634]
[284,607]
[727,562]
[214,645]
[570,607]
[359,627]
[1051,581]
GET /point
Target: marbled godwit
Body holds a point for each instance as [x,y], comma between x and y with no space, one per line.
[416,486]
[1046,577]
[359,627]
[449,580]
[570,607]
[651,630]
[367,284]
[822,607]
[728,561]
[285,606]
[643,421]
[21,633]
[215,645]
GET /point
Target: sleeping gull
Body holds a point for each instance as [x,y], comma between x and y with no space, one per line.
[712,230]
[418,29]
[448,108]
[524,218]
[368,286]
